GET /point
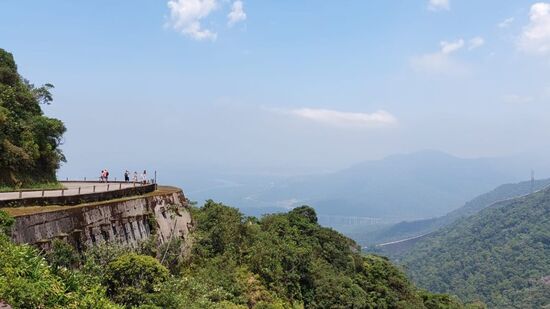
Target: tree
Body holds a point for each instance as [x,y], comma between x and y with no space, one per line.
[29,141]
[132,278]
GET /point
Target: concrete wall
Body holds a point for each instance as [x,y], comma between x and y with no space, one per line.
[125,222]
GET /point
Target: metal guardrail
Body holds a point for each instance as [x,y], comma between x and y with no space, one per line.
[112,179]
[99,186]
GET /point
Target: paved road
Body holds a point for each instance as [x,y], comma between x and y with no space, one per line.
[71,189]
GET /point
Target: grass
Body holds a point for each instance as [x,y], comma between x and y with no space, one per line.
[35,186]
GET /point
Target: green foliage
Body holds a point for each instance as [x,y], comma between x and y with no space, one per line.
[6,222]
[304,213]
[27,281]
[498,256]
[33,186]
[279,261]
[170,254]
[220,230]
[96,259]
[410,229]
[29,141]
[131,278]
[338,291]
[289,260]
[62,255]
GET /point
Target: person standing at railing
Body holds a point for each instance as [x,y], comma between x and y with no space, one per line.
[135,178]
[144,177]
[126,176]
[106,175]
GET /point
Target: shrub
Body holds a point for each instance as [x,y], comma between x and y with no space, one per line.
[6,222]
[62,254]
[131,278]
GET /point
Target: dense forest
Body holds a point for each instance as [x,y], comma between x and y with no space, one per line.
[408,229]
[29,141]
[278,261]
[500,255]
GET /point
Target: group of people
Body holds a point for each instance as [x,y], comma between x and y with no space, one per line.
[104,177]
[144,179]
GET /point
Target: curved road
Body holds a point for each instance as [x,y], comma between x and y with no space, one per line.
[71,188]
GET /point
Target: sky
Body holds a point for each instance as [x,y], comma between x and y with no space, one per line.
[285,86]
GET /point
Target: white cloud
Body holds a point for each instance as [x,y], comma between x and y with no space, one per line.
[516,99]
[450,47]
[441,61]
[346,119]
[237,13]
[535,38]
[506,23]
[438,63]
[475,43]
[438,5]
[186,16]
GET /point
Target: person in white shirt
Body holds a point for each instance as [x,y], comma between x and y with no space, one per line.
[144,177]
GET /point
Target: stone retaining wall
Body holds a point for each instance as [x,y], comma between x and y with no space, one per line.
[125,222]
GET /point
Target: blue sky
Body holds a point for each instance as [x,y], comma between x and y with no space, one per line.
[285,85]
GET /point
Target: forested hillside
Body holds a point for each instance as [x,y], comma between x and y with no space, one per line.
[500,255]
[279,261]
[408,229]
[29,141]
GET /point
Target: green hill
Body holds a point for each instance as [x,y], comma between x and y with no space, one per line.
[500,255]
[415,228]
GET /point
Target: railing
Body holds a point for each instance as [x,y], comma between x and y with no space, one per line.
[97,178]
[76,192]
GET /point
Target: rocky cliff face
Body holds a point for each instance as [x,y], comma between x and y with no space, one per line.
[164,213]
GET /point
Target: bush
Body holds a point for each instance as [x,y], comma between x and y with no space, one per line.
[27,281]
[131,278]
[62,254]
[6,222]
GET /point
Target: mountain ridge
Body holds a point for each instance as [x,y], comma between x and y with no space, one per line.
[412,229]
[431,183]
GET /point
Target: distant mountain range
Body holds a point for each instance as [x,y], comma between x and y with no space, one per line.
[419,185]
[500,255]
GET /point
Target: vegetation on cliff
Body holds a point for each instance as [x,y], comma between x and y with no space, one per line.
[501,255]
[28,281]
[29,141]
[278,261]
